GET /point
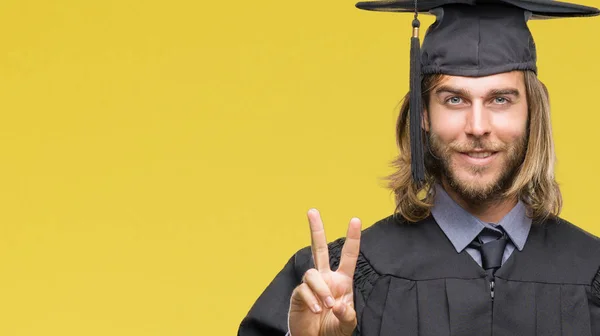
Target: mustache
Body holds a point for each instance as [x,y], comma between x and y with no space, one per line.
[477,145]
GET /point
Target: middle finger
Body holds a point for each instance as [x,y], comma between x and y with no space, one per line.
[319,247]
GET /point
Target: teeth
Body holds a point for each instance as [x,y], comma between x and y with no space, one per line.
[479,155]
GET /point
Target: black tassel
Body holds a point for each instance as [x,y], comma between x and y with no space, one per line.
[416,107]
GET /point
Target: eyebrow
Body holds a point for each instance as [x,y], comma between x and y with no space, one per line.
[505,92]
[464,92]
[450,89]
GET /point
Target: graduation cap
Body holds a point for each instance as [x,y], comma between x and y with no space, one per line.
[472,38]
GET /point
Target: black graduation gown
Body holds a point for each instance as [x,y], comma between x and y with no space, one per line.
[409,280]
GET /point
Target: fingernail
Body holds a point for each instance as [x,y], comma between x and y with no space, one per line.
[329,302]
[316,308]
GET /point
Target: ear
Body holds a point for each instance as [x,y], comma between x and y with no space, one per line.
[425,120]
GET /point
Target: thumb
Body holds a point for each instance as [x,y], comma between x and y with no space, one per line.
[346,315]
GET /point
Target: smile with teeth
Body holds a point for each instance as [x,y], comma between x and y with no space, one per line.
[479,155]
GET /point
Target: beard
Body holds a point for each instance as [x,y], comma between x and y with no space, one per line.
[475,189]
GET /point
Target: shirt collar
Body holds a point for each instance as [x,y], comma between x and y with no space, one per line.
[462,228]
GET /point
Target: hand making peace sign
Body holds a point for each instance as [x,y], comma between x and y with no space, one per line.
[323,305]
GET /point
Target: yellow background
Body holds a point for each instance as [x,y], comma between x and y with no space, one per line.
[158,157]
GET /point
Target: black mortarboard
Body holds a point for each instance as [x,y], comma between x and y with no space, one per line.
[470,38]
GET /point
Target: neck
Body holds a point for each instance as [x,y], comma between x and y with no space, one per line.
[491,211]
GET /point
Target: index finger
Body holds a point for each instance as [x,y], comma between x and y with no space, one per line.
[318,243]
[351,249]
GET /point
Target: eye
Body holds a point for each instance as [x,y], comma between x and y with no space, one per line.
[501,100]
[454,100]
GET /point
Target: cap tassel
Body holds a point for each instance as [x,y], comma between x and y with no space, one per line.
[416,107]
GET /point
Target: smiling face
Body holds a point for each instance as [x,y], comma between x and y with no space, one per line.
[477,131]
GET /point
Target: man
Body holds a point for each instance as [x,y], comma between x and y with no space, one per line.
[476,246]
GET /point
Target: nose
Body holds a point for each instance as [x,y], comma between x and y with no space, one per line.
[478,121]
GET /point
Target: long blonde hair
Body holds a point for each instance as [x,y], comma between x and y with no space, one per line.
[534,182]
